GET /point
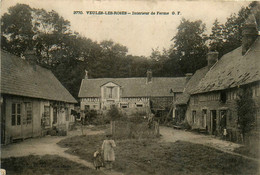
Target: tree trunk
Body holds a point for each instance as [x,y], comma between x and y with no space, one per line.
[112,127]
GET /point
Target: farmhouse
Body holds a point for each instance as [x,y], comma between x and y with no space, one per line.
[183,100]
[32,100]
[131,94]
[212,104]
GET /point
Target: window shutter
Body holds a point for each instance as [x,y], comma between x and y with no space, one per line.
[115,91]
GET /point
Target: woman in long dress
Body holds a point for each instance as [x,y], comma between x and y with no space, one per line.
[108,151]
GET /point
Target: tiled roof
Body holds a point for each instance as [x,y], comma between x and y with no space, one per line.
[191,85]
[134,87]
[18,77]
[232,70]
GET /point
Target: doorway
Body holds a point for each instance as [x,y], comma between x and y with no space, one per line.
[223,119]
[27,122]
[213,114]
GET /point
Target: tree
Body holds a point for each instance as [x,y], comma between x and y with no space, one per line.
[114,114]
[217,38]
[190,45]
[17,29]
[227,37]
[245,111]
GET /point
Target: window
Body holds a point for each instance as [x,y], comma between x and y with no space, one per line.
[55,115]
[193,116]
[46,116]
[223,97]
[139,105]
[16,114]
[110,92]
[124,106]
[28,110]
[87,107]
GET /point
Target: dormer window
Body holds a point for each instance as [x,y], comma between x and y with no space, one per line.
[110,92]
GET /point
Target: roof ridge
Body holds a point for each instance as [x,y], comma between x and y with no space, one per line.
[132,78]
[251,47]
[25,61]
[232,70]
[39,83]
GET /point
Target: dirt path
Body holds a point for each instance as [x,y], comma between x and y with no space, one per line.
[172,135]
[48,145]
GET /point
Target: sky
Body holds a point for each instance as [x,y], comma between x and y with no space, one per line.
[140,33]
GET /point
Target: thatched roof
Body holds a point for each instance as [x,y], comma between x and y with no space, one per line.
[18,77]
[191,85]
[233,70]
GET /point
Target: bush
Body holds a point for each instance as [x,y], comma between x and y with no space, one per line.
[137,119]
[90,115]
[246,111]
[101,120]
[133,130]
[114,113]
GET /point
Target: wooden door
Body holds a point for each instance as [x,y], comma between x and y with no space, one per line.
[16,121]
[27,128]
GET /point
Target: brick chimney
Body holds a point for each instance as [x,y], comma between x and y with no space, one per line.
[149,76]
[188,76]
[212,58]
[249,33]
[30,56]
[86,74]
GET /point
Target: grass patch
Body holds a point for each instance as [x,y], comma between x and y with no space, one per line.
[83,146]
[129,128]
[133,129]
[47,164]
[248,151]
[149,156]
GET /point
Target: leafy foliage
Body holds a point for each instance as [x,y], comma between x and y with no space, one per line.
[226,37]
[16,29]
[114,113]
[190,46]
[246,111]
[68,54]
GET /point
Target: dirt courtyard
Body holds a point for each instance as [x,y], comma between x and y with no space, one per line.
[48,144]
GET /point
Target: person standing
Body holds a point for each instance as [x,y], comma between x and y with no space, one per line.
[108,151]
[97,159]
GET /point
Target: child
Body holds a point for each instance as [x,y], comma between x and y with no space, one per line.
[97,159]
[108,150]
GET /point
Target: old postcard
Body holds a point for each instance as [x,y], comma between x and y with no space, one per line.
[130,87]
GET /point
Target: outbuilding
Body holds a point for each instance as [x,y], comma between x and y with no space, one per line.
[33,101]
